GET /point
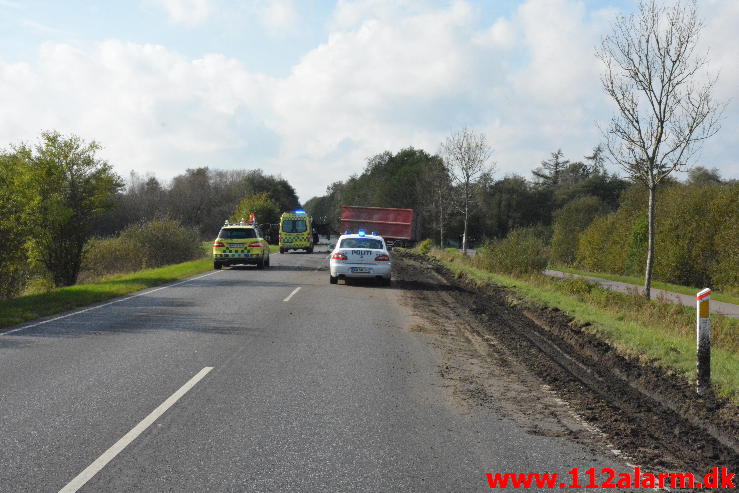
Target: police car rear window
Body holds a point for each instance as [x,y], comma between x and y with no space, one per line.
[361,243]
[293,226]
[237,233]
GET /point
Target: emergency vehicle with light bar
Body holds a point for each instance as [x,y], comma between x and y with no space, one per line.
[296,231]
[240,243]
[360,255]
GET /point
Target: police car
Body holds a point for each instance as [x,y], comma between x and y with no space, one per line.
[240,243]
[360,255]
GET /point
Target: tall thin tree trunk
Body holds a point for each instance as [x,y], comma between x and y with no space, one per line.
[464,235]
[441,225]
[650,242]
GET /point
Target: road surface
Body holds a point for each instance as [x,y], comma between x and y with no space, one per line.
[248,380]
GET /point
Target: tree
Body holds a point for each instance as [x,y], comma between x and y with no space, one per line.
[438,181]
[569,222]
[191,199]
[664,110]
[551,169]
[466,154]
[597,160]
[704,176]
[75,188]
[261,205]
[18,205]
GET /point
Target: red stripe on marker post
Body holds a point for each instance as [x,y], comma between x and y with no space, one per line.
[703,294]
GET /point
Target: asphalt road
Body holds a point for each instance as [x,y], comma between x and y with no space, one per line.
[321,389]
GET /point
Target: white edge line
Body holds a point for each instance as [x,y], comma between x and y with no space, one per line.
[90,471]
[104,304]
[292,294]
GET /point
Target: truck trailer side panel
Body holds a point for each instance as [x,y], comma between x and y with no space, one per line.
[391,223]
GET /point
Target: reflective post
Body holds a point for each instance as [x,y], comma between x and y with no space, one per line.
[703,339]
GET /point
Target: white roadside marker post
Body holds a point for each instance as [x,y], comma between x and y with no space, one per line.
[703,337]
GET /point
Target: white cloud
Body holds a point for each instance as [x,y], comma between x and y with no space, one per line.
[502,34]
[152,109]
[278,16]
[389,75]
[562,68]
[187,12]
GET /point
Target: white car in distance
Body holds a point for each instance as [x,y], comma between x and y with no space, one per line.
[360,255]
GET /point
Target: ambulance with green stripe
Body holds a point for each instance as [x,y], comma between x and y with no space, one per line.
[296,231]
[240,243]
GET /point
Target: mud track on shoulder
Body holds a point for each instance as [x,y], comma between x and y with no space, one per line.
[541,369]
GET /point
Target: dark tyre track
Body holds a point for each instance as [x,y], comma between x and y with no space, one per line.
[649,415]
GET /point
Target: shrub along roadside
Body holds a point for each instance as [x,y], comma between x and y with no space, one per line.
[24,308]
[146,245]
[524,250]
[655,332]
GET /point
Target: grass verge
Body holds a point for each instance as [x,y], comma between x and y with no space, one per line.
[656,333]
[29,307]
[676,288]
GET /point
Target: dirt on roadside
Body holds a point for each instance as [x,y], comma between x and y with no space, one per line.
[543,370]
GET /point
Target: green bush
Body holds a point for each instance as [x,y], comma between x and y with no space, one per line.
[425,246]
[264,209]
[18,212]
[695,240]
[523,251]
[569,222]
[725,271]
[142,246]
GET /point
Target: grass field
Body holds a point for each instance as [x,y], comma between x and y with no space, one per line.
[676,288]
[655,332]
[29,307]
[48,302]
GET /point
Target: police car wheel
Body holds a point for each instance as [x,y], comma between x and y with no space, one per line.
[260,264]
[282,250]
[310,250]
[333,279]
[217,266]
[266,263]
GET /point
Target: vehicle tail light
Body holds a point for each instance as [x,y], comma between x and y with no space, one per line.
[382,258]
[255,244]
[219,244]
[338,256]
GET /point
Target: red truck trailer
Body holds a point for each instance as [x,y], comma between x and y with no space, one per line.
[395,225]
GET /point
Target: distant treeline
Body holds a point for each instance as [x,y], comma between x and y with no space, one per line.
[200,198]
[414,179]
[569,213]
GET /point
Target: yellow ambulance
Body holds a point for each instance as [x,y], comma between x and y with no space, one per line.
[296,231]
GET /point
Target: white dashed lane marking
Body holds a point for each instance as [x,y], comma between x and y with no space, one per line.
[291,294]
[91,470]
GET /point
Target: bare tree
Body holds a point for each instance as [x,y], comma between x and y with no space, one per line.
[665,107]
[466,154]
[437,181]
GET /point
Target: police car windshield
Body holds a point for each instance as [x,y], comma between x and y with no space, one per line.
[294,226]
[237,233]
[361,243]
